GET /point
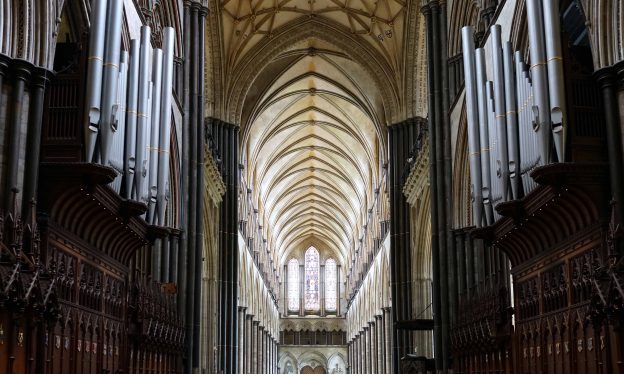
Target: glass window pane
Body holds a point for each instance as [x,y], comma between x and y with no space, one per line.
[293,285]
[312,288]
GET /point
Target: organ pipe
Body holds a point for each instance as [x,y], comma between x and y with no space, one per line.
[143,108]
[117,155]
[541,107]
[555,75]
[109,111]
[154,132]
[472,118]
[165,117]
[131,128]
[484,137]
[514,111]
[511,113]
[94,75]
[498,84]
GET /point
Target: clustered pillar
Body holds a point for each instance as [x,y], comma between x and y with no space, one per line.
[226,139]
[440,176]
[403,139]
[24,78]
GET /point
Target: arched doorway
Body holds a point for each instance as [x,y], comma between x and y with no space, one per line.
[316,370]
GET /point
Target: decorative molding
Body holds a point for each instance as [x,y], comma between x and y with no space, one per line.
[417,182]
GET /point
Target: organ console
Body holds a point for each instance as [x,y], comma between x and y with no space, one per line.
[129,98]
[517,118]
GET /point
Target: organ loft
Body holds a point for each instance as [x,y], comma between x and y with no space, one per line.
[311,187]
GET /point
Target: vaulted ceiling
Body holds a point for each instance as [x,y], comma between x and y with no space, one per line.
[312,84]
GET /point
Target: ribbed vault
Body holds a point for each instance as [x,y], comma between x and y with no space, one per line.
[312,137]
[313,85]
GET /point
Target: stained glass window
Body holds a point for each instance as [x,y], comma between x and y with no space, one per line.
[331,285]
[312,288]
[293,285]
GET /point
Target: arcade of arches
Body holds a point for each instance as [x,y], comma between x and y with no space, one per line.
[311,186]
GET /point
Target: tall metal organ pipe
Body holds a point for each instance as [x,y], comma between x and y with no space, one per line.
[499,109]
[511,110]
[131,127]
[556,77]
[484,137]
[94,75]
[541,108]
[472,118]
[110,112]
[143,108]
[154,140]
[116,160]
[165,122]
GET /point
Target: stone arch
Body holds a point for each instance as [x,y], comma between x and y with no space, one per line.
[312,359]
[462,13]
[462,209]
[605,22]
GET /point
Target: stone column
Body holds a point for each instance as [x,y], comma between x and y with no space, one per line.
[248,343]
[227,140]
[33,140]
[356,356]
[20,73]
[254,350]
[373,347]
[607,81]
[387,317]
[261,348]
[362,352]
[241,339]
[266,363]
[380,344]
[369,348]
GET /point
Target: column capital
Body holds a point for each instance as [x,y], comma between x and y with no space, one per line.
[22,69]
[606,77]
[619,68]
[5,61]
[378,317]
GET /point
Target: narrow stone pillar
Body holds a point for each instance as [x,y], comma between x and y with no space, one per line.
[248,343]
[241,339]
[362,351]
[380,344]
[262,350]
[387,317]
[20,73]
[373,347]
[33,140]
[254,351]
